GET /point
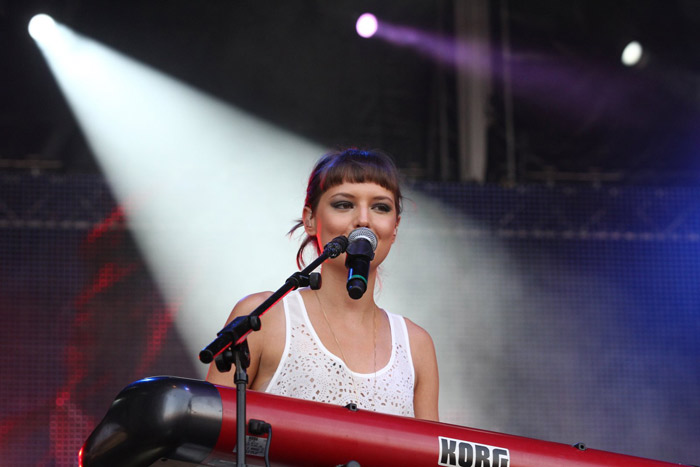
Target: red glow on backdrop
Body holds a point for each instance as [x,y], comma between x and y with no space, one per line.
[106,303]
[117,332]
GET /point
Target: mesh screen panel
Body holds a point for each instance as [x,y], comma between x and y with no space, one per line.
[590,335]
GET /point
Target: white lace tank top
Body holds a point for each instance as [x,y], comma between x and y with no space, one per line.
[309,371]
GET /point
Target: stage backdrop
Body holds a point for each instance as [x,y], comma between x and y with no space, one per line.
[567,314]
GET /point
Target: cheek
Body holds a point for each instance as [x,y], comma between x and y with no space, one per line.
[326,231]
[387,229]
[332,226]
[387,235]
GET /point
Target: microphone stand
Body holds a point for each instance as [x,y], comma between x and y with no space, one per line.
[231,345]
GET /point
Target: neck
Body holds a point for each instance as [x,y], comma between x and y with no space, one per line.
[335,297]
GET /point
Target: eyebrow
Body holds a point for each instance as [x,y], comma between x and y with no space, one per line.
[376,198]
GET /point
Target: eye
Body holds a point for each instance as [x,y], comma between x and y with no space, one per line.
[342,205]
[383,207]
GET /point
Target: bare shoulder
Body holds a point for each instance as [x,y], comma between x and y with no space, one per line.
[247,304]
[422,348]
[419,337]
[272,320]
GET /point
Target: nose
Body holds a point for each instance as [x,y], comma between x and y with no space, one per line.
[362,217]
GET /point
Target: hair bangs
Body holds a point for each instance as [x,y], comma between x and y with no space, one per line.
[354,171]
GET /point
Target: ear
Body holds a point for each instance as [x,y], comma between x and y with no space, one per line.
[309,222]
[396,229]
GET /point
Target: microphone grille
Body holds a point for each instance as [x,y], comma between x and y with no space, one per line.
[363,232]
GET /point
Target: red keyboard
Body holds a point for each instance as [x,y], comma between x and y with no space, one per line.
[168,421]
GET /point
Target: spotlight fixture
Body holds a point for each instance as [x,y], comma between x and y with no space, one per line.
[632,54]
[41,27]
[366,25]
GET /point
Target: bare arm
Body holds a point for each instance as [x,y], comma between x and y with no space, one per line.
[255,343]
[427,384]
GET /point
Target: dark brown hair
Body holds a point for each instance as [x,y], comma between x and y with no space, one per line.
[351,166]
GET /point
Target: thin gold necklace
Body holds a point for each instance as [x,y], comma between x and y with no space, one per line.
[342,354]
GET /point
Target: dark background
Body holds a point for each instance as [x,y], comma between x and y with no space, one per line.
[578,113]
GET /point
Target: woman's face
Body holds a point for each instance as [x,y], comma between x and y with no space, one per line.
[345,207]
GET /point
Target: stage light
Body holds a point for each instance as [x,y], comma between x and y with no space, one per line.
[42,28]
[181,163]
[632,54]
[366,25]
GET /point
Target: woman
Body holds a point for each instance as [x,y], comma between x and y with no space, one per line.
[323,345]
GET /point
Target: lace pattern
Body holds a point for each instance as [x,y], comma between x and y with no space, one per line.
[309,371]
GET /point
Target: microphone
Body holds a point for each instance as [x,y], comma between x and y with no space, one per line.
[360,252]
[336,246]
